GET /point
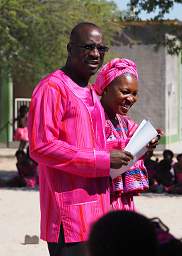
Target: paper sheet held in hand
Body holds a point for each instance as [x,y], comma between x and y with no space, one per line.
[137,145]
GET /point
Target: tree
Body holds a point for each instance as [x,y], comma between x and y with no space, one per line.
[160,6]
[34,33]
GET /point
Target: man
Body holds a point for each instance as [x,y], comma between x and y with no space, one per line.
[66,133]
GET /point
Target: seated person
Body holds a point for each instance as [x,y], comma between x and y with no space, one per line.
[165,174]
[177,187]
[27,172]
[151,166]
[178,169]
[27,168]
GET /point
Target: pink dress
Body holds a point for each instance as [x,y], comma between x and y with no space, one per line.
[133,181]
[67,140]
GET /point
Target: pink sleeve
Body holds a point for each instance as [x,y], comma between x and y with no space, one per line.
[45,115]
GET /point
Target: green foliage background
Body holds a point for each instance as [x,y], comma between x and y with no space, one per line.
[161,7]
[34,33]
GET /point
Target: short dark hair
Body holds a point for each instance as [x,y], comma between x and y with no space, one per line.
[20,152]
[23,110]
[76,30]
[178,157]
[168,152]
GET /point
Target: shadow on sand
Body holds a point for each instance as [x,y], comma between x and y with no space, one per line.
[154,195]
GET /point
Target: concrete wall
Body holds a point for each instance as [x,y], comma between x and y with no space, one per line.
[173,101]
[159,89]
[171,92]
[151,69]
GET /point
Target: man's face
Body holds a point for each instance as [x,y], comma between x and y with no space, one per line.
[87,51]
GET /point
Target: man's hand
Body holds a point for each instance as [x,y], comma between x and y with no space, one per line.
[119,158]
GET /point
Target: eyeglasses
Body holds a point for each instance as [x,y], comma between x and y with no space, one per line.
[91,47]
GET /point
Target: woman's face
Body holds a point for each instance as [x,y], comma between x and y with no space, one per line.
[120,95]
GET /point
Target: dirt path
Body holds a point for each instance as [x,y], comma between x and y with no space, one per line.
[19,215]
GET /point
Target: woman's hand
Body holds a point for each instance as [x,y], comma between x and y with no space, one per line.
[118,158]
[153,143]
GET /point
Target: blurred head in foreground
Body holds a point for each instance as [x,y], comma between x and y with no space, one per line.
[123,233]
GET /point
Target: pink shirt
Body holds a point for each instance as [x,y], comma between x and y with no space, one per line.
[66,133]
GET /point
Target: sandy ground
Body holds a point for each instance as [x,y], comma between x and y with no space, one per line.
[19,215]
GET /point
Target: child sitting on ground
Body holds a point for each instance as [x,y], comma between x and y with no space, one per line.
[27,172]
[165,173]
[177,187]
[27,168]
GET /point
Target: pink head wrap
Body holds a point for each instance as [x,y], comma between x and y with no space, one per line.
[111,70]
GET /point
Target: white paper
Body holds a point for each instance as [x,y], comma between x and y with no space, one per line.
[137,145]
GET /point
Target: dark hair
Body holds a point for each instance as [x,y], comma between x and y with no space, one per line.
[23,110]
[20,152]
[178,157]
[76,30]
[123,232]
[168,152]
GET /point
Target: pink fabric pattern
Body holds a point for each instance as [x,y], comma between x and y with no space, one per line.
[21,134]
[31,182]
[133,181]
[124,202]
[67,139]
[111,70]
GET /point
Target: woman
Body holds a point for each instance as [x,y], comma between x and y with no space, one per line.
[117,84]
